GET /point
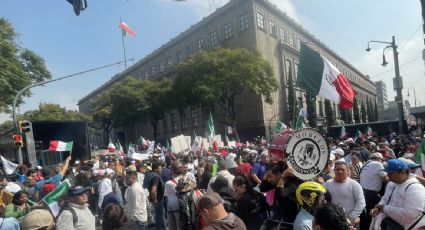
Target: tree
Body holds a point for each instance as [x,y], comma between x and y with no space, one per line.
[363,112]
[292,99]
[369,110]
[101,115]
[311,110]
[19,67]
[53,112]
[6,126]
[220,76]
[376,115]
[356,111]
[136,100]
[330,116]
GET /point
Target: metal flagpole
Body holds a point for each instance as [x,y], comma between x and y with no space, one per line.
[123,45]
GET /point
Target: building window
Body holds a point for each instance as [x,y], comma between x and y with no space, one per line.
[146,74]
[153,70]
[260,20]
[298,43]
[296,70]
[164,124]
[214,38]
[194,117]
[161,67]
[227,30]
[273,30]
[169,62]
[244,22]
[189,50]
[282,34]
[173,121]
[200,43]
[183,119]
[291,38]
[179,56]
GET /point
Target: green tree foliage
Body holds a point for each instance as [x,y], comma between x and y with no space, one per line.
[19,67]
[101,114]
[356,111]
[369,110]
[135,100]
[292,100]
[53,112]
[219,76]
[363,112]
[330,116]
[311,110]
[6,126]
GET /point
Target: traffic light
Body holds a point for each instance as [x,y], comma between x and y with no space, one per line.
[17,140]
[25,126]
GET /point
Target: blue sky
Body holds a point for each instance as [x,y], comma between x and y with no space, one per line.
[70,44]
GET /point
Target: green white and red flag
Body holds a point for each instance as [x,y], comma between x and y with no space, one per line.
[111,147]
[58,146]
[344,133]
[126,30]
[319,76]
[369,132]
[358,135]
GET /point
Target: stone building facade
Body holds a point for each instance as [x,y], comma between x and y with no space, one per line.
[250,24]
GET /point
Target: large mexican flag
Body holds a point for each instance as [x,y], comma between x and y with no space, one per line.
[319,76]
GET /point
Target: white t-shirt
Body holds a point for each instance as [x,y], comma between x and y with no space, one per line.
[230,161]
[371,175]
[170,192]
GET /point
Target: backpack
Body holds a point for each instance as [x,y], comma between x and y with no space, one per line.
[66,206]
[189,217]
[261,205]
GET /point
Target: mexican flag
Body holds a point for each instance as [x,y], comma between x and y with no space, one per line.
[344,133]
[319,76]
[369,132]
[111,147]
[60,146]
[300,124]
[230,130]
[358,135]
[8,166]
[280,127]
[126,30]
[51,199]
[210,125]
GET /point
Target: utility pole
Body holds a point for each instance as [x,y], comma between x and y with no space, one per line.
[398,86]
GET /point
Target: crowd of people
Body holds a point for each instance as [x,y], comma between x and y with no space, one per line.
[366,184]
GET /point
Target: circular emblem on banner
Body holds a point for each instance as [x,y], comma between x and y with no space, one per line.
[307,153]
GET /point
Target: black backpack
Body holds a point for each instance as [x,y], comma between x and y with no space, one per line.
[189,217]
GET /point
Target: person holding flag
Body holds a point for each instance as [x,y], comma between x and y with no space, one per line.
[280,126]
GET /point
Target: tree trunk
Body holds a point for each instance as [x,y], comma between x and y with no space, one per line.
[155,129]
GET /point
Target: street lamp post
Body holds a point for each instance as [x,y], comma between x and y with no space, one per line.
[414,93]
[398,82]
[270,127]
[15,100]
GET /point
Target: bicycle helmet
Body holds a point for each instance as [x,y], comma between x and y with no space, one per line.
[308,192]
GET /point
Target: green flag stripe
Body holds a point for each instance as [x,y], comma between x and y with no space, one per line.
[310,70]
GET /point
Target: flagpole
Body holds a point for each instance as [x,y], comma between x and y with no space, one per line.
[123,46]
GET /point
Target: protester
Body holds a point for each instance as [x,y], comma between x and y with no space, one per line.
[330,217]
[114,218]
[50,182]
[75,214]
[310,196]
[372,178]
[156,195]
[221,186]
[173,206]
[9,186]
[403,203]
[215,216]
[8,223]
[222,171]
[248,205]
[19,206]
[135,207]
[346,192]
[259,169]
[38,219]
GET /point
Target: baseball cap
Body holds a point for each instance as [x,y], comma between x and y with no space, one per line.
[76,190]
[39,167]
[339,151]
[376,155]
[209,200]
[38,219]
[411,164]
[395,165]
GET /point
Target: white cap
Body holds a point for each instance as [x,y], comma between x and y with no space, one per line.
[77,162]
[332,156]
[340,160]
[373,144]
[109,171]
[39,167]
[339,151]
